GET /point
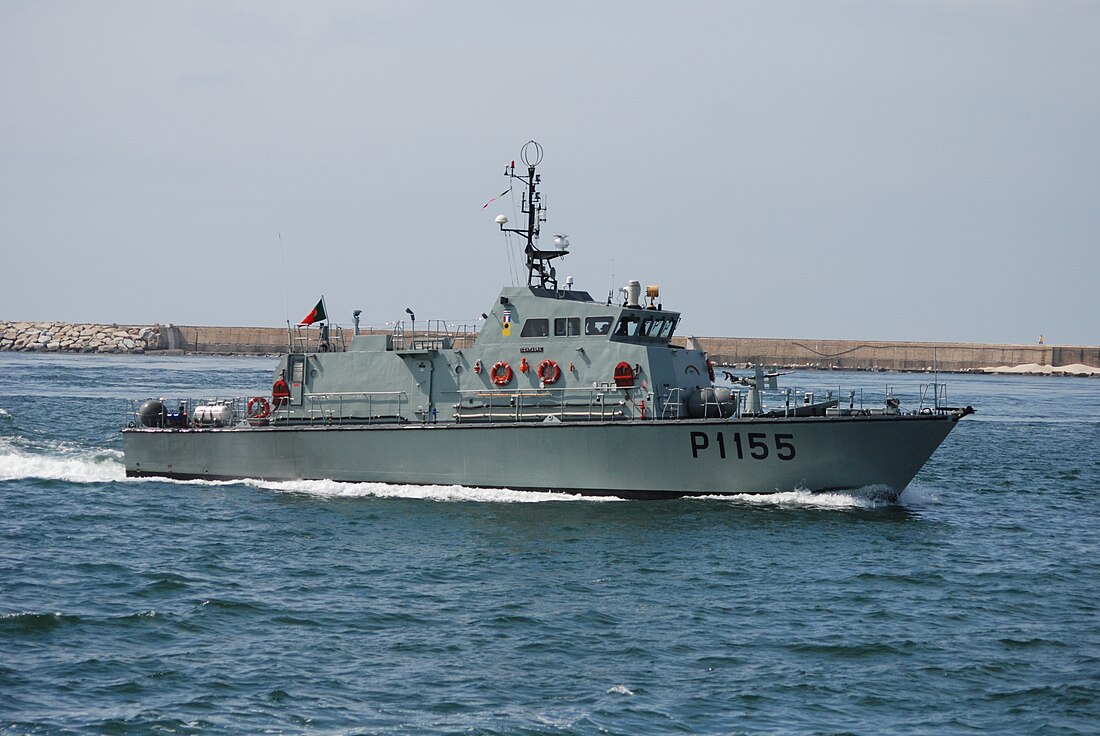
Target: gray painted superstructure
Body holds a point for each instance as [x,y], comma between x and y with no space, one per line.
[557,391]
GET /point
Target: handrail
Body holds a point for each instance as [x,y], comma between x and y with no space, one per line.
[330,339]
[439,335]
[317,403]
[556,401]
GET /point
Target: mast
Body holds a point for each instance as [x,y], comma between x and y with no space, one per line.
[538,261]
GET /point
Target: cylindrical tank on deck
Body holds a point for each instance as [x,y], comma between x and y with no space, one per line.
[712,403]
[212,415]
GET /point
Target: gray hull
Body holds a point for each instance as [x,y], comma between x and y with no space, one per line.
[633,459]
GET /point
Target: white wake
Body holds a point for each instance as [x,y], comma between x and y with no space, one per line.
[60,462]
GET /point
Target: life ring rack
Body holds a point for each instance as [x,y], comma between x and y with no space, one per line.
[501,373]
[549,372]
[259,407]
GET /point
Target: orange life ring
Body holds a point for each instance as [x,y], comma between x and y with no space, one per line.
[258,407]
[549,372]
[501,373]
[280,393]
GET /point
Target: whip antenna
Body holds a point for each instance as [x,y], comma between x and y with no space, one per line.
[282,262]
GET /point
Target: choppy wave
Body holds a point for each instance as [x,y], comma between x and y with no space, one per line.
[33,622]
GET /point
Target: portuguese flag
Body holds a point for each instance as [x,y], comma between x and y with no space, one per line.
[317,315]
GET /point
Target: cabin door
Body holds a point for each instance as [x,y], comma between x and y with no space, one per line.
[420,394]
[296,375]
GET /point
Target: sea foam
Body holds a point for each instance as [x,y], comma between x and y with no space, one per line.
[451,493]
[59,462]
[868,497]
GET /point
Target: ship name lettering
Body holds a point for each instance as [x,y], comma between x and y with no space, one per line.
[730,446]
[531,350]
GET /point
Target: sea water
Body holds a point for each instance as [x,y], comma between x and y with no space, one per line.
[145,606]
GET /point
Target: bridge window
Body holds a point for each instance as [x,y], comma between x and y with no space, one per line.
[628,326]
[646,327]
[567,326]
[536,328]
[597,325]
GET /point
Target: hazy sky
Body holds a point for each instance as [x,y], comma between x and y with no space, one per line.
[895,170]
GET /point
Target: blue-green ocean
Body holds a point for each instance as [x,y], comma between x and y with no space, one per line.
[972,604]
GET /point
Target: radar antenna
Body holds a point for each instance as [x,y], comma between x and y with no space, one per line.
[538,261]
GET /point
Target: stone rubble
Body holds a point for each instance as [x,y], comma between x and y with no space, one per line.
[62,337]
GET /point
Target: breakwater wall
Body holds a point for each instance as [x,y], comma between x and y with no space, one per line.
[890,356]
[229,340]
[822,354]
[62,337]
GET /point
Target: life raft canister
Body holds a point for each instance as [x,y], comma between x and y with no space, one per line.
[280,393]
[549,372]
[259,407]
[501,373]
[624,375]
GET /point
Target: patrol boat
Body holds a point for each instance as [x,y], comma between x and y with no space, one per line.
[556,392]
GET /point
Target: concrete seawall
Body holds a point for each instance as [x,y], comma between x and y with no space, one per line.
[822,354]
[230,340]
[893,356]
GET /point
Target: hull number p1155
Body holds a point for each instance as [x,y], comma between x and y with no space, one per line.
[754,445]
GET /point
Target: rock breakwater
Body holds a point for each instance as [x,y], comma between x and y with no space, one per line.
[61,337]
